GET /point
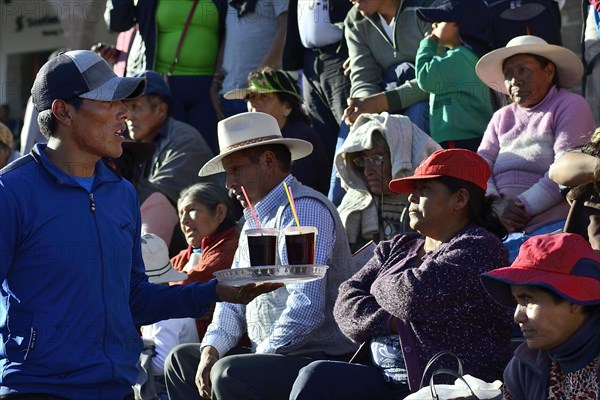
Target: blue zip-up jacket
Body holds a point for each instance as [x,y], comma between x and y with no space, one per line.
[74,283]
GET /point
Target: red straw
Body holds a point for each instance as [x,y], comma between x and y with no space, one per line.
[250,207]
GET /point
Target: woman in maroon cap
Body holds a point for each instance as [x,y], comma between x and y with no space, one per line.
[420,292]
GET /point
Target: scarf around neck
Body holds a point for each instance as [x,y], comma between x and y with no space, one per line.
[581,348]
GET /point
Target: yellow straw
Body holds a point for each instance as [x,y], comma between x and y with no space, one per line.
[288,191]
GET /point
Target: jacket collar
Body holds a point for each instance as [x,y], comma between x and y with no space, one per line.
[581,348]
[102,173]
[163,130]
[213,239]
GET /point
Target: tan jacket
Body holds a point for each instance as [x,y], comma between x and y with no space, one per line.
[408,147]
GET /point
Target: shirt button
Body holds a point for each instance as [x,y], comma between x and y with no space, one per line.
[407,349]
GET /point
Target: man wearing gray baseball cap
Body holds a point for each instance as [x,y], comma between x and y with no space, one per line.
[73,279]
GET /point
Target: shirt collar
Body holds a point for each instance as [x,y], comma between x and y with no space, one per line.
[264,207]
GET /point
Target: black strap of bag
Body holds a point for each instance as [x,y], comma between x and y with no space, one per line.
[182,38]
[457,373]
[459,369]
[444,371]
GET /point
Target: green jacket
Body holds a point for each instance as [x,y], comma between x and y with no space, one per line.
[460,106]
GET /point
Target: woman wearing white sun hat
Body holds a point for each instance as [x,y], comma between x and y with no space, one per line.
[524,138]
[160,338]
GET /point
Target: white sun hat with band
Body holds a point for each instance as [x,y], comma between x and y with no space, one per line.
[251,129]
[155,254]
[568,65]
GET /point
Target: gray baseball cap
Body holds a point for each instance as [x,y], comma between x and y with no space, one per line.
[81,73]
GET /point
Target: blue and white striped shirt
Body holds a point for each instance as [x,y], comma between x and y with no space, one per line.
[305,307]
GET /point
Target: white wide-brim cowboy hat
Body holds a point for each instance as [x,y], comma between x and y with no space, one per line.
[568,65]
[251,129]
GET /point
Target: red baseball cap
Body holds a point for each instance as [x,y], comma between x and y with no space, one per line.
[564,263]
[455,163]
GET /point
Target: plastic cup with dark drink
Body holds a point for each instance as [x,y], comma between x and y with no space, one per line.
[262,246]
[300,244]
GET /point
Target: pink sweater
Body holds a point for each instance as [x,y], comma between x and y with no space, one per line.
[521,143]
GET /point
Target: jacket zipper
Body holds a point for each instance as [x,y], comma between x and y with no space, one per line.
[385,36]
[92,203]
[102,283]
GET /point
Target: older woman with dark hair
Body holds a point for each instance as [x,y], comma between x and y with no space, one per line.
[210,229]
[276,93]
[420,293]
[524,138]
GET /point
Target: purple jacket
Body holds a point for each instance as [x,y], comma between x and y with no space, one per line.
[441,303]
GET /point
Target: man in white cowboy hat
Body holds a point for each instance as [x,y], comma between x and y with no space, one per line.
[297,320]
[524,138]
[73,280]
[554,286]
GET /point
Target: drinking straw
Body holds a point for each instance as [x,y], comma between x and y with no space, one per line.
[288,191]
[250,207]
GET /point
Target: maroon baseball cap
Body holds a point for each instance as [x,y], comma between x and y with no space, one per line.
[455,163]
[564,263]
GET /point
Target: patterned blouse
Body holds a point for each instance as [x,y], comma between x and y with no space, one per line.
[578,385]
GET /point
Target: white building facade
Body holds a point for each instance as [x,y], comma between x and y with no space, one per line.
[30,30]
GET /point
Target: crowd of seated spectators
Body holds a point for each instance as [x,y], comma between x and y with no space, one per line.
[469,171]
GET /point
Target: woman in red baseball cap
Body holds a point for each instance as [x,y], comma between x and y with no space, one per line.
[420,293]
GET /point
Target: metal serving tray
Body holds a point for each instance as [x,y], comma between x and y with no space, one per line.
[274,273]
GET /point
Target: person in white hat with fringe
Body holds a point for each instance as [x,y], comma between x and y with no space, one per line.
[160,337]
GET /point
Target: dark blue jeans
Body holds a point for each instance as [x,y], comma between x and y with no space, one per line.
[336,193]
[333,380]
[326,90]
[191,104]
[232,107]
[238,375]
